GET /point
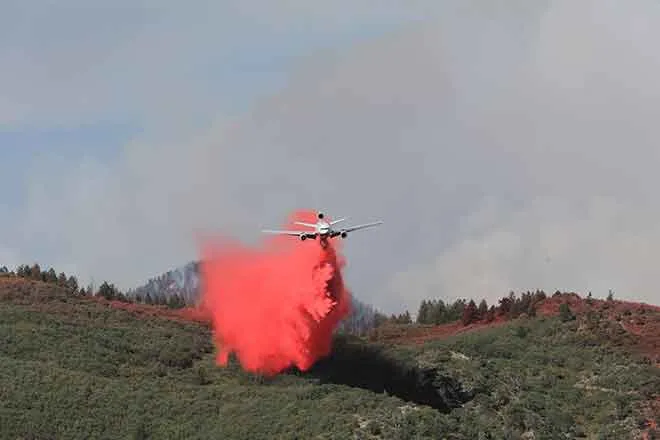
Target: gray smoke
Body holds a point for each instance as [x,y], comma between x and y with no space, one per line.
[509,146]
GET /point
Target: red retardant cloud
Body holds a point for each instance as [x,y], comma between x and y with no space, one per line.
[275,306]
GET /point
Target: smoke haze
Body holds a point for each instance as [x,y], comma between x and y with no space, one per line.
[508,146]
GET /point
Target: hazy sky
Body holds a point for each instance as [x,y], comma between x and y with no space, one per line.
[506,145]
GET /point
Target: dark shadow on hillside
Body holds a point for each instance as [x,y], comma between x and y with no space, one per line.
[356,364]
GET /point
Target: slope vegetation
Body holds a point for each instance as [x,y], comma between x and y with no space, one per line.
[78,367]
[621,322]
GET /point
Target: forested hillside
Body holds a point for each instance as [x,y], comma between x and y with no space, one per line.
[74,365]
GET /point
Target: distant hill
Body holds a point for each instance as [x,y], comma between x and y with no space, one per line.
[184,282]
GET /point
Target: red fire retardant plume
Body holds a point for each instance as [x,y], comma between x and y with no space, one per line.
[275,306]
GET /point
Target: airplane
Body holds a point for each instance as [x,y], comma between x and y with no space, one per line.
[322,229]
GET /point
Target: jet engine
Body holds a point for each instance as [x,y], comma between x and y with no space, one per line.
[320,215]
[344,234]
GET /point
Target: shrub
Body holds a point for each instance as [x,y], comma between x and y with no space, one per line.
[565,313]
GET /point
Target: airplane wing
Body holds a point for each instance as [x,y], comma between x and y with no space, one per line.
[366,225]
[310,225]
[334,222]
[296,233]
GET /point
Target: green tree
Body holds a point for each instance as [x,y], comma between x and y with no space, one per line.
[72,283]
[539,295]
[379,318]
[423,315]
[610,295]
[174,302]
[22,270]
[469,313]
[61,279]
[108,291]
[438,312]
[482,309]
[565,313]
[590,300]
[515,306]
[35,272]
[490,314]
[402,318]
[525,303]
[506,305]
[51,276]
[455,311]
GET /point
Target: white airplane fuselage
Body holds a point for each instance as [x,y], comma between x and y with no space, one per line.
[322,228]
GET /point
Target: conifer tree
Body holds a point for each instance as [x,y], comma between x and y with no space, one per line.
[35,272]
[565,312]
[108,291]
[469,313]
[423,315]
[72,283]
[490,315]
[482,310]
[51,276]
